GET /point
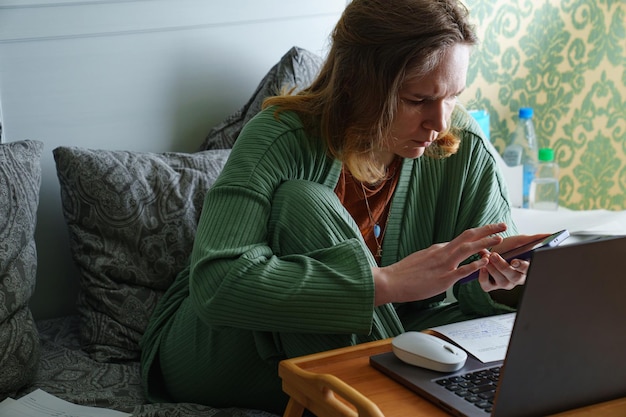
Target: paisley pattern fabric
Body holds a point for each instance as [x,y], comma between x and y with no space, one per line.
[71,374]
[566,60]
[131,218]
[20,179]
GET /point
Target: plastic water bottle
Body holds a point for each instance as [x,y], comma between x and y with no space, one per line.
[544,189]
[523,151]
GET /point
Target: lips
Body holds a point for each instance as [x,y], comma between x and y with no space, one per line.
[422,143]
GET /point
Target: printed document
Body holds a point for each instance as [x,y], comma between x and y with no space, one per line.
[486,338]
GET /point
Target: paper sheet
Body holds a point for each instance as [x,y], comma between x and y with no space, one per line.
[41,404]
[486,338]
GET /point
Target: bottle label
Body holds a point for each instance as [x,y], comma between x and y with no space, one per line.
[512,155]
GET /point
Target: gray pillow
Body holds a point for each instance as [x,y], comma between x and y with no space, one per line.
[296,69]
[131,218]
[20,179]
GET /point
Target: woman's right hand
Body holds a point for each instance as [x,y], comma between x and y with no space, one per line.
[431,271]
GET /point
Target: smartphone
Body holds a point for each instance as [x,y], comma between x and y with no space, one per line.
[524,252]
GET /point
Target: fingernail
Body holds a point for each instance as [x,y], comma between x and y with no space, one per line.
[515,263]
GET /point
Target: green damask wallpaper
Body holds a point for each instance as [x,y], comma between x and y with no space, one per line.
[567,60]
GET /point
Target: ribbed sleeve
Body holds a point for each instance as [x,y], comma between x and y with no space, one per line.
[237,280]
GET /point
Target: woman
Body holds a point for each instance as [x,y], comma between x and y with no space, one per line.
[328,227]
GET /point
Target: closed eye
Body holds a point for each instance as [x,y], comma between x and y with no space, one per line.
[414,102]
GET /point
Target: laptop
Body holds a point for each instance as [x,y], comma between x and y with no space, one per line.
[566,348]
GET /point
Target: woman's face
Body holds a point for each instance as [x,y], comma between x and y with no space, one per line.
[425,105]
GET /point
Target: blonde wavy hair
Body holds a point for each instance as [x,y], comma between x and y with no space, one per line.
[376,46]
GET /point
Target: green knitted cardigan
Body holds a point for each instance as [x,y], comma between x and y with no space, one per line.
[235,281]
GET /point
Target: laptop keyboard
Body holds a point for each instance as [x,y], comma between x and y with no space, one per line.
[479,388]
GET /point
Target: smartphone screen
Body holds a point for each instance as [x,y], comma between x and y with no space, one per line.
[524,252]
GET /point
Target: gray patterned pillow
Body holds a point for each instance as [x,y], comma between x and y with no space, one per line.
[20,179]
[296,69]
[132,218]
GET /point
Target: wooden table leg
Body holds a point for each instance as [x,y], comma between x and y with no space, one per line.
[294,409]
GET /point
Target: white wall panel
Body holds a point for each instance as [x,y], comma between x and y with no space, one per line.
[32,20]
[148,75]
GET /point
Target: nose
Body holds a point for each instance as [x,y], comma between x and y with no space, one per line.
[437,116]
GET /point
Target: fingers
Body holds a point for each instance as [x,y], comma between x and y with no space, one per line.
[476,240]
[484,231]
[499,274]
[464,271]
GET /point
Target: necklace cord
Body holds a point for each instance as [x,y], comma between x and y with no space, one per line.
[378,233]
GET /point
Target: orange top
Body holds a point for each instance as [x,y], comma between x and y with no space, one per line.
[352,195]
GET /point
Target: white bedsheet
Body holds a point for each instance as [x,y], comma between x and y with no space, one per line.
[579,223]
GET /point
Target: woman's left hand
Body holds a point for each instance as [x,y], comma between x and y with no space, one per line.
[499,274]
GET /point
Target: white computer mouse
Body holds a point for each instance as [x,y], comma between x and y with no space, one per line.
[428,351]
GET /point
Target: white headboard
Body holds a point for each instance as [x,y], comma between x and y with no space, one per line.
[147,75]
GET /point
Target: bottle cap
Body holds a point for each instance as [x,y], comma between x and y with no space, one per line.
[546,154]
[525,113]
